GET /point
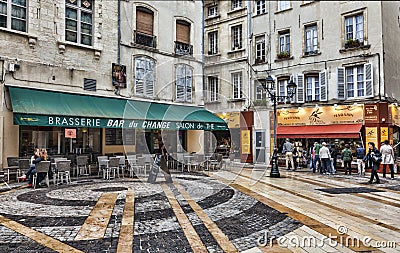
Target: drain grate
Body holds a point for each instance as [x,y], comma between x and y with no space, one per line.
[349,190]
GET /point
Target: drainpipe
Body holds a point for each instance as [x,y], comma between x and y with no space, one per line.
[202,52]
[379,76]
[249,54]
[119,33]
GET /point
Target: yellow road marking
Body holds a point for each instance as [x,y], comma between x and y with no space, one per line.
[189,231]
[220,237]
[125,241]
[38,237]
[96,223]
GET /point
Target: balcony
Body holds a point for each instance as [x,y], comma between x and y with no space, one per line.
[145,39]
[183,48]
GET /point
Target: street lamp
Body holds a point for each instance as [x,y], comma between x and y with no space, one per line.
[269,85]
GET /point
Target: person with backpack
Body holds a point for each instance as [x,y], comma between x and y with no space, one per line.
[347,158]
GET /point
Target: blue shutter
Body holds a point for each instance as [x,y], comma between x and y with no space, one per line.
[300,88]
[341,86]
[369,84]
[323,85]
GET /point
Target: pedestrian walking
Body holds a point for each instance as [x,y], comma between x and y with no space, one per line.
[334,155]
[316,160]
[360,154]
[387,158]
[325,157]
[373,160]
[347,158]
[288,151]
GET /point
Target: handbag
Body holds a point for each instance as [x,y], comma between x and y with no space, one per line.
[377,159]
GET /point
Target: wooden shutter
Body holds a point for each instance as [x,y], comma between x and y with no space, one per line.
[300,88]
[341,84]
[183,32]
[323,85]
[369,84]
[144,21]
[180,83]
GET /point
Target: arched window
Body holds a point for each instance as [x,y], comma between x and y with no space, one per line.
[144,76]
[145,27]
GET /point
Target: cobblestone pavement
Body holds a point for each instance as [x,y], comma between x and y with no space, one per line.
[234,210]
[60,211]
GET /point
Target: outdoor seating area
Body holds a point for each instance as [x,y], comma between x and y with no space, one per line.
[65,169]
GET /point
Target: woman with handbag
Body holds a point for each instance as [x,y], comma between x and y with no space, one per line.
[373,159]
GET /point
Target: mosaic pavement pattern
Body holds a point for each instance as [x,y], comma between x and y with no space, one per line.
[60,212]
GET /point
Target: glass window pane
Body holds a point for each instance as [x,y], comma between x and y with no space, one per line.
[70,36]
[86,40]
[3,8]
[19,25]
[18,12]
[86,17]
[3,21]
[71,14]
[71,25]
[19,2]
[85,28]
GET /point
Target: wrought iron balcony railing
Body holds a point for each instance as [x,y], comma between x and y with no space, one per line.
[145,39]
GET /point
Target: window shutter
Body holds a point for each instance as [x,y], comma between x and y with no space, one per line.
[341,84]
[183,32]
[139,74]
[323,85]
[294,98]
[144,22]
[180,83]
[300,88]
[149,78]
[369,85]
[188,84]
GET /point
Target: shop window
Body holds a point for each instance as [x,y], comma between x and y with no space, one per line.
[79,21]
[13,14]
[184,77]
[144,76]
[355,81]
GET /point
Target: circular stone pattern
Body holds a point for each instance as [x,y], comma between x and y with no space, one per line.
[111,189]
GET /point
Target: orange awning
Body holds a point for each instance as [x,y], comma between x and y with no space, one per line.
[329,131]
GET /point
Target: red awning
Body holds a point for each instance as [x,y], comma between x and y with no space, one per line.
[329,131]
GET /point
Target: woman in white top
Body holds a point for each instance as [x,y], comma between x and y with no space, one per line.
[387,158]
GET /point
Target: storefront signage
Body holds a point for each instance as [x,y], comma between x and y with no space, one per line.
[371,135]
[245,140]
[324,115]
[231,118]
[70,133]
[395,111]
[384,133]
[371,113]
[60,121]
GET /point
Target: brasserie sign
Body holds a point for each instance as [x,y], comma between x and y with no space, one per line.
[61,121]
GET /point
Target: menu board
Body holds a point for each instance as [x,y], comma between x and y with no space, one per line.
[118,136]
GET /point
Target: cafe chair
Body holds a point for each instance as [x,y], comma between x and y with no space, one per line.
[2,178]
[82,167]
[63,171]
[23,166]
[112,166]
[41,167]
[102,164]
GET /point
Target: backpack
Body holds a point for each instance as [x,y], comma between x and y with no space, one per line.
[346,153]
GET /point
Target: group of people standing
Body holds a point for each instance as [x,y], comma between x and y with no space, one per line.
[323,158]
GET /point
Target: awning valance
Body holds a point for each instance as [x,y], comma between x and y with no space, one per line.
[36,107]
[329,131]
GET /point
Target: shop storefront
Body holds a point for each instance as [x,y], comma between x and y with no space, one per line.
[68,123]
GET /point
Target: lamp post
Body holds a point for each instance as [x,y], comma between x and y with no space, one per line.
[269,85]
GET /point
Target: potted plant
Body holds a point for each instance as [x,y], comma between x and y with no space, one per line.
[352,43]
[283,55]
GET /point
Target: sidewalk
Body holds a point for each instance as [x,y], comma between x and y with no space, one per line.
[200,213]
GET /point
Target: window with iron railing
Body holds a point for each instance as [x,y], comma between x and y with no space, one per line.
[145,39]
[183,48]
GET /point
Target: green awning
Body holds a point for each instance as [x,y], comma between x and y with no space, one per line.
[36,107]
